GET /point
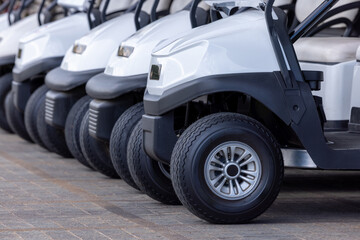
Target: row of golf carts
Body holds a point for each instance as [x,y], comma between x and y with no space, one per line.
[195,102]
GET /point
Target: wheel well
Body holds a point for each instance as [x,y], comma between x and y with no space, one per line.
[6,68]
[235,102]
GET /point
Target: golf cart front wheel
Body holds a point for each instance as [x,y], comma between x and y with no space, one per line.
[95,152]
[32,109]
[120,136]
[15,118]
[5,87]
[72,129]
[53,138]
[227,168]
[152,177]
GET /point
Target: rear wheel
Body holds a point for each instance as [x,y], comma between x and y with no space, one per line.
[227,168]
[15,118]
[119,140]
[152,177]
[31,113]
[96,152]
[53,138]
[72,129]
[5,87]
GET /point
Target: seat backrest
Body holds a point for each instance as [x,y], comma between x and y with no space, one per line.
[51,12]
[178,5]
[202,13]
[282,2]
[147,7]
[76,4]
[163,6]
[304,7]
[116,5]
[33,8]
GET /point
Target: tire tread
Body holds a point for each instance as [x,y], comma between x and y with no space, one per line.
[181,151]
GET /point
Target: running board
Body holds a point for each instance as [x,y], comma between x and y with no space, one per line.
[297,158]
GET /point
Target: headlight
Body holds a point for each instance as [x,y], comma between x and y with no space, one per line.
[155,72]
[79,48]
[125,51]
[19,53]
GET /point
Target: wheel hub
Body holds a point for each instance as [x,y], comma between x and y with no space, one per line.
[232,170]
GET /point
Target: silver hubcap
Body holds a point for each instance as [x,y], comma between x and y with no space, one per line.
[232,170]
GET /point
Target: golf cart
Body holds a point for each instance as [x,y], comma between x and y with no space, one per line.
[42,51]
[121,87]
[65,85]
[53,138]
[9,46]
[227,104]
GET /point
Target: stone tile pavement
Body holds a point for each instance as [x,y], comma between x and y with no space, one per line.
[43,196]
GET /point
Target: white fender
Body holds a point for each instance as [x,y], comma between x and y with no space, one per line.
[144,42]
[99,44]
[51,40]
[9,38]
[237,44]
[4,23]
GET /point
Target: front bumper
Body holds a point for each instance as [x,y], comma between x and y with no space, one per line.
[23,73]
[22,92]
[23,85]
[159,136]
[111,99]
[103,115]
[59,79]
[65,89]
[108,87]
[58,105]
[7,60]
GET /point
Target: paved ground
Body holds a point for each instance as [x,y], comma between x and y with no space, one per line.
[43,196]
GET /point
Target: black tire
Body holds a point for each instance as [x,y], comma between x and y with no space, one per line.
[72,129]
[53,138]
[31,113]
[96,152]
[5,87]
[195,146]
[119,140]
[15,118]
[147,173]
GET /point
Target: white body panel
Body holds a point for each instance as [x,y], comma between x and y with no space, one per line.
[336,88]
[100,43]
[52,40]
[144,42]
[355,96]
[10,37]
[237,44]
[4,22]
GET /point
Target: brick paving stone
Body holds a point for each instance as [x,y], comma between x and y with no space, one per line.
[144,233]
[38,235]
[116,234]
[61,235]
[43,196]
[10,236]
[89,234]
